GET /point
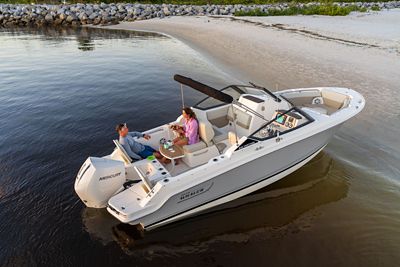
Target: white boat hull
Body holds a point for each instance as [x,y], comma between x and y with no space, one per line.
[238,181]
[253,141]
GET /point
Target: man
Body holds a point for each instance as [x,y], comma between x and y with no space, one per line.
[135,149]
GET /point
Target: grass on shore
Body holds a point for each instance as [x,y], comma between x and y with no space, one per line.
[323,9]
[179,2]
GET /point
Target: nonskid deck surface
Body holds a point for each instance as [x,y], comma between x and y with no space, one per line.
[180,167]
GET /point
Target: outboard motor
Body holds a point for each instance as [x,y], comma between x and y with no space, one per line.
[98,180]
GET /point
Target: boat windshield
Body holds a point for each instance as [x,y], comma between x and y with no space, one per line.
[233,90]
[285,121]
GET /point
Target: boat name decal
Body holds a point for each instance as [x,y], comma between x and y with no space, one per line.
[195,192]
[110,176]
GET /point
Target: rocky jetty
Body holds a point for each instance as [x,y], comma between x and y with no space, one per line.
[105,14]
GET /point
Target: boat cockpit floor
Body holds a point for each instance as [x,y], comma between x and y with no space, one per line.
[180,167]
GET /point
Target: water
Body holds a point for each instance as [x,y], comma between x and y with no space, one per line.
[62,92]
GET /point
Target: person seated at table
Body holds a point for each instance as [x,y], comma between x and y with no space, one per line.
[135,149]
[189,132]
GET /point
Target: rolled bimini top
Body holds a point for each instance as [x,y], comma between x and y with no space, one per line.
[205,89]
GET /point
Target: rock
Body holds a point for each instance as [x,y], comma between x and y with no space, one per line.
[71,18]
[93,16]
[62,16]
[58,21]
[166,11]
[121,8]
[48,18]
[89,11]
[83,17]
[77,14]
[199,9]
[96,21]
[75,23]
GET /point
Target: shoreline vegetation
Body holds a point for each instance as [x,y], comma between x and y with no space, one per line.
[326,10]
[108,14]
[188,2]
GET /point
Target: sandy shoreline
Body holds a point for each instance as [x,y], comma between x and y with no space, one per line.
[296,51]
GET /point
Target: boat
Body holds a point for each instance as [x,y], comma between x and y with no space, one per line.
[250,138]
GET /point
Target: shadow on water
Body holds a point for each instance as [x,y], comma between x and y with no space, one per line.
[272,207]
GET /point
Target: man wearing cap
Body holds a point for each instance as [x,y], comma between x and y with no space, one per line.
[135,149]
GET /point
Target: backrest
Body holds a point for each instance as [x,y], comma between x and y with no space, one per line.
[206,132]
[144,178]
[333,99]
[302,97]
[217,112]
[242,118]
[122,151]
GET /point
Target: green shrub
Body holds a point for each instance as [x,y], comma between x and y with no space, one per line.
[322,9]
[375,8]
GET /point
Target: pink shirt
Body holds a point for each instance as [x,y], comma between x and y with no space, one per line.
[191,128]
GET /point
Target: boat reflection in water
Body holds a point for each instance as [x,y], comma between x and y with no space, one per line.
[274,206]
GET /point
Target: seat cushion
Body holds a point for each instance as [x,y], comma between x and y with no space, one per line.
[333,99]
[322,108]
[220,121]
[195,147]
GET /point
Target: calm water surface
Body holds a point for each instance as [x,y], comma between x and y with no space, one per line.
[62,92]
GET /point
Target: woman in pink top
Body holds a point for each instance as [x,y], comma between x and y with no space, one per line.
[189,133]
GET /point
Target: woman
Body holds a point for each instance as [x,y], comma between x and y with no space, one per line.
[189,133]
